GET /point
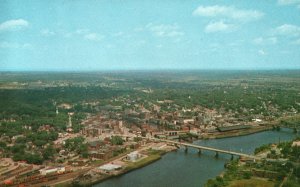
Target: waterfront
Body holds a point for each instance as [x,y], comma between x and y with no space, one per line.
[189,169]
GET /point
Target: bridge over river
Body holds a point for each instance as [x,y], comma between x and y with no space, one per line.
[232,153]
[199,147]
[216,150]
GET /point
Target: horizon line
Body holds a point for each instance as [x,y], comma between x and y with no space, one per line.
[157,70]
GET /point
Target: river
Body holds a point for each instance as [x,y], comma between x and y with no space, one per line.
[177,169]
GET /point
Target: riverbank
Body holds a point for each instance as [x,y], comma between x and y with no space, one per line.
[152,156]
[282,172]
[155,156]
[179,168]
[236,133]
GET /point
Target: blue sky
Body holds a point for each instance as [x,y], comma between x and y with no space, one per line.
[77,35]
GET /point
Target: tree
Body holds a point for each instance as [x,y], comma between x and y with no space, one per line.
[33,158]
[48,152]
[116,140]
[3,145]
[83,150]
[18,148]
[247,175]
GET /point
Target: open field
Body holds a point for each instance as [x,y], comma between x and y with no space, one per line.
[255,182]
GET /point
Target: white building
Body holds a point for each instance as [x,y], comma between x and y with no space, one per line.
[133,156]
[51,170]
[110,167]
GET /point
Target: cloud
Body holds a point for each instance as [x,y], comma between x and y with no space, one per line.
[47,32]
[288,2]
[94,37]
[82,31]
[288,30]
[165,30]
[10,45]
[265,41]
[261,52]
[12,25]
[219,26]
[228,12]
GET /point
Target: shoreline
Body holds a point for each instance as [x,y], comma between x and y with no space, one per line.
[165,152]
[159,156]
[240,133]
[128,169]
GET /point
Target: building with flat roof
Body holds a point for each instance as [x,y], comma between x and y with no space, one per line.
[110,167]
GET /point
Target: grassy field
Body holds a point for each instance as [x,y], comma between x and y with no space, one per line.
[252,183]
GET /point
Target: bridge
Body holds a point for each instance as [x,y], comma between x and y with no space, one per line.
[216,150]
[199,147]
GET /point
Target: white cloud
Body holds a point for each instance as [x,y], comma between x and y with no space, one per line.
[12,25]
[265,41]
[219,26]
[94,37]
[82,31]
[165,30]
[47,32]
[288,2]
[10,45]
[262,52]
[288,30]
[228,12]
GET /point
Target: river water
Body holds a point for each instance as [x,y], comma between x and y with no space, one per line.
[181,169]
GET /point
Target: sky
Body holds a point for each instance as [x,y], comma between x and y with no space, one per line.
[79,35]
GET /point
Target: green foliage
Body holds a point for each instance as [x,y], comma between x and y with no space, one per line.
[42,138]
[247,175]
[49,152]
[30,158]
[83,150]
[291,183]
[77,145]
[116,140]
[73,144]
[3,145]
[137,139]
[246,94]
[18,148]
[118,152]
[289,151]
[33,159]
[262,148]
[218,182]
